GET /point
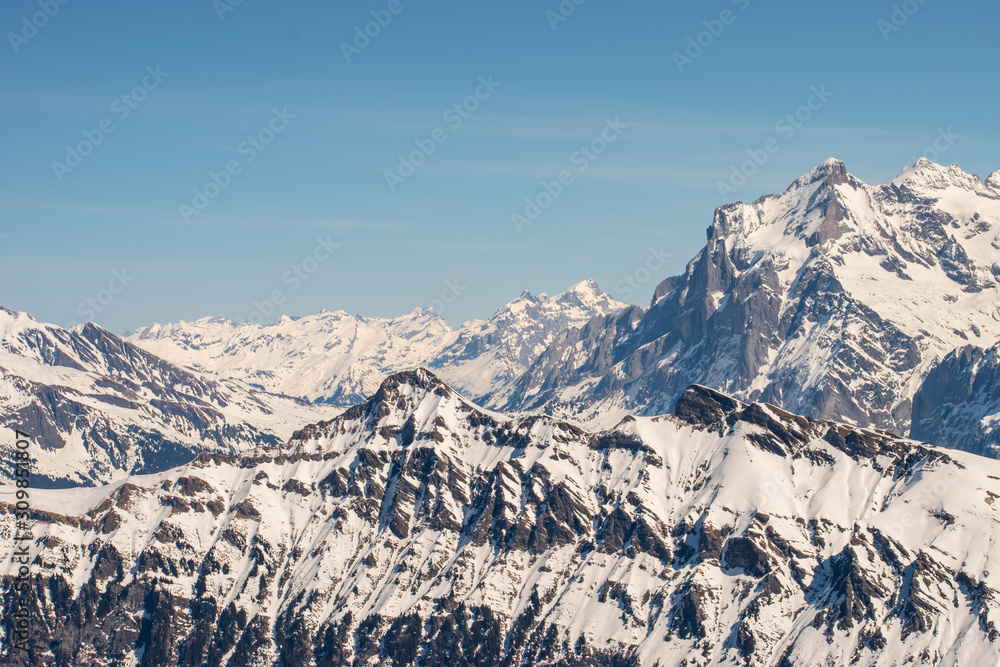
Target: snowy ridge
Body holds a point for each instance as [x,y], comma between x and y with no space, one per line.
[100,408]
[339,358]
[416,528]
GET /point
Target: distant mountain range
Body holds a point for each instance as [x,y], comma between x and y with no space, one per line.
[417,528]
[101,407]
[338,358]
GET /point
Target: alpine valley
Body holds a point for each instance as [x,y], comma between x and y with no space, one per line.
[736,474]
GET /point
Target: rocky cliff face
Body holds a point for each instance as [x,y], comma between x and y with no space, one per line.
[416,528]
[833,299]
[99,408]
[959,402]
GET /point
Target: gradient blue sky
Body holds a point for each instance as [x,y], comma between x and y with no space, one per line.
[323,176]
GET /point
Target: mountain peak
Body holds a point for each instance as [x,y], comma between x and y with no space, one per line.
[588,293]
[417,378]
[916,269]
[391,390]
[831,164]
[406,402]
[584,287]
[422,312]
[406,390]
[8,316]
[830,169]
[701,406]
[994,180]
[923,166]
[931,175]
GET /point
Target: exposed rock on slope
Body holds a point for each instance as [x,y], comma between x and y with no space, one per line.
[417,528]
[959,402]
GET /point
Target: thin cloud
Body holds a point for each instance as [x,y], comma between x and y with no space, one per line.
[82,207]
[349,224]
[548,170]
[285,221]
[225,148]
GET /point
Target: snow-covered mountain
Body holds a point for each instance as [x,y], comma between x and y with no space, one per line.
[331,357]
[100,408]
[416,528]
[341,359]
[833,299]
[487,356]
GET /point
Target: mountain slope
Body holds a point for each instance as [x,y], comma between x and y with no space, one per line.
[100,408]
[833,299]
[417,528]
[341,359]
[959,402]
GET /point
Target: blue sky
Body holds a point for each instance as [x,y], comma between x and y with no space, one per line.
[111,232]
